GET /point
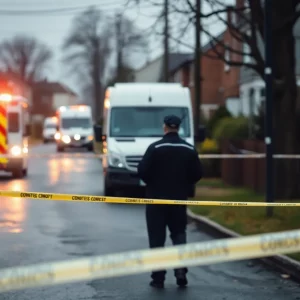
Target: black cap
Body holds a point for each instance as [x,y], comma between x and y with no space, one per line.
[172,121]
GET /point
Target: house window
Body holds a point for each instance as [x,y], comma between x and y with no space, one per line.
[262,99]
[247,58]
[251,101]
[227,58]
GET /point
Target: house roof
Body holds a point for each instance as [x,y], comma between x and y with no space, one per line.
[53,87]
[177,60]
[212,42]
[208,46]
[156,65]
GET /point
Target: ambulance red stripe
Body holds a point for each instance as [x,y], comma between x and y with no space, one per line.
[3,130]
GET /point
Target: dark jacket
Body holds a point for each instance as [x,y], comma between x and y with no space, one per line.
[170,167]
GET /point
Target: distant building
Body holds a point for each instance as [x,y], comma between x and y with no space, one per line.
[220,82]
[252,86]
[153,71]
[48,96]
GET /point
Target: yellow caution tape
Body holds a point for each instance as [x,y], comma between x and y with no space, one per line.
[140,261]
[90,198]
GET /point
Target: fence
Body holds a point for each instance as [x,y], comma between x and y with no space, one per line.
[244,172]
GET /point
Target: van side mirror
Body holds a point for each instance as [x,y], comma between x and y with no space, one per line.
[57,128]
[98,133]
[201,134]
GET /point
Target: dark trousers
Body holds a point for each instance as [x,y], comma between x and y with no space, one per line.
[159,217]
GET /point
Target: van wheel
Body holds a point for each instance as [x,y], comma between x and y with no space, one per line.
[45,141]
[60,149]
[17,173]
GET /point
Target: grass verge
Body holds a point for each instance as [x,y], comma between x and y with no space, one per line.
[244,220]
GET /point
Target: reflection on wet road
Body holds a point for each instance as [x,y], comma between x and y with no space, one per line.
[33,231]
[12,210]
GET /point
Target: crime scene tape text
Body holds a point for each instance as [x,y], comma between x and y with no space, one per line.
[90,198]
[140,261]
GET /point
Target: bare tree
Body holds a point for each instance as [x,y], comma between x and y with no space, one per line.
[25,57]
[248,30]
[88,48]
[130,41]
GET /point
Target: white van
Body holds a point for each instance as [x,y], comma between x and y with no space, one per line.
[132,120]
[49,129]
[74,127]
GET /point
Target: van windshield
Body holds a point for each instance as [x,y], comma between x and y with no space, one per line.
[145,121]
[68,123]
[50,126]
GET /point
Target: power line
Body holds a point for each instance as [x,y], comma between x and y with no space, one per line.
[57,10]
[26,4]
[50,3]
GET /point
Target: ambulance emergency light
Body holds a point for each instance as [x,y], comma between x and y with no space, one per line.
[107,99]
[73,107]
[6,97]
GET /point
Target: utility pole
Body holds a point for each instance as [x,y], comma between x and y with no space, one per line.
[268,107]
[197,67]
[119,47]
[251,113]
[166,42]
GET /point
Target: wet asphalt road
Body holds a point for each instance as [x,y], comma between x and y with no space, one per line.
[34,231]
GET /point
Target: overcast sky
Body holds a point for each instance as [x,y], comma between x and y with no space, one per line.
[52,27]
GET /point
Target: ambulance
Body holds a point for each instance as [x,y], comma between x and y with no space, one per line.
[133,119]
[74,127]
[49,129]
[14,132]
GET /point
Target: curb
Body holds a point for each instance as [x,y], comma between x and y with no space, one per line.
[280,263]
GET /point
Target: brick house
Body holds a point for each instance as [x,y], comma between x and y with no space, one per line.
[48,96]
[220,82]
[211,78]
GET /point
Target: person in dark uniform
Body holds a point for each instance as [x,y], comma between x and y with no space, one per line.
[170,168]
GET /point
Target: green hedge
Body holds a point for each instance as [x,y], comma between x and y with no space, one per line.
[231,128]
[211,166]
[221,113]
